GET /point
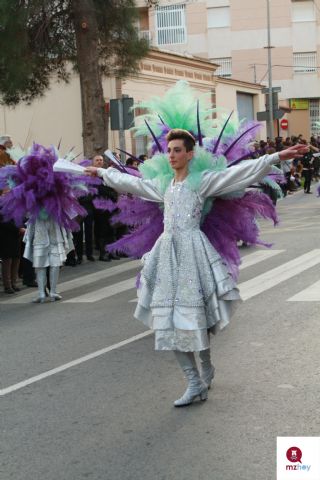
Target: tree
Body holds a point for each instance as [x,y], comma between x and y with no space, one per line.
[41,38]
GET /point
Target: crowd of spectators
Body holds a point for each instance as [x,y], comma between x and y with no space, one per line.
[298,173]
[96,229]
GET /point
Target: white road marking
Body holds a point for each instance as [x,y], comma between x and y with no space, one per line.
[116,288]
[277,275]
[310,294]
[80,281]
[104,292]
[304,227]
[258,256]
[78,361]
[248,260]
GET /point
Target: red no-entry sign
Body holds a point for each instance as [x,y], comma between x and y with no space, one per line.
[284,124]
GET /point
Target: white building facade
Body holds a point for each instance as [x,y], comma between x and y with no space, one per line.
[233,34]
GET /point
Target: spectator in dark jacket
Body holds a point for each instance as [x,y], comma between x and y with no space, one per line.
[307,170]
[103,230]
[10,245]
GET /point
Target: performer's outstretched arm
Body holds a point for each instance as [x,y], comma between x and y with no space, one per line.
[123,183]
[238,177]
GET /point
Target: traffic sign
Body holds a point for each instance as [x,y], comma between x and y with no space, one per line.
[274,90]
[284,124]
[263,116]
[121,113]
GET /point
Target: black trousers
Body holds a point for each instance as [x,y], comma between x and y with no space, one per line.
[307,174]
[87,225]
[103,231]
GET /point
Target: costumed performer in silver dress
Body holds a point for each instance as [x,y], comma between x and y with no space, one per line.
[49,200]
[186,289]
[47,245]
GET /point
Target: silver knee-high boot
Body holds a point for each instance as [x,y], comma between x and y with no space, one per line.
[54,275]
[207,369]
[196,387]
[41,275]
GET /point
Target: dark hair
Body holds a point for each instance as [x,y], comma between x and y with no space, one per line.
[179,134]
[130,161]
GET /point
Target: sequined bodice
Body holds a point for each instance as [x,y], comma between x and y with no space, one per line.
[182,209]
[179,268]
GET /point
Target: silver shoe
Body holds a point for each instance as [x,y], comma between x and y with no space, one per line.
[39,300]
[41,275]
[54,297]
[54,275]
[196,388]
[207,369]
[207,374]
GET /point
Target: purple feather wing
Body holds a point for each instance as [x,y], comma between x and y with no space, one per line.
[232,220]
[145,222]
[104,204]
[235,147]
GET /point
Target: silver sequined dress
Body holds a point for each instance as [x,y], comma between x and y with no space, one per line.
[186,289]
[47,244]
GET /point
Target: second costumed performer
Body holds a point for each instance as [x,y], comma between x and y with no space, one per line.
[186,288]
[49,200]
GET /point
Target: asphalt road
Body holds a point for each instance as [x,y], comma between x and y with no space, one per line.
[110,416]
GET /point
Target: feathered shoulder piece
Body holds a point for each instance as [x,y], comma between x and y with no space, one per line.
[204,161]
[221,143]
[158,168]
[32,189]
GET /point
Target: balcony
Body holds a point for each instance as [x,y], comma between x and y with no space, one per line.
[147,35]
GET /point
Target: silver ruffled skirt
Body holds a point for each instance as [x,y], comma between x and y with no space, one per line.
[185,291]
[47,244]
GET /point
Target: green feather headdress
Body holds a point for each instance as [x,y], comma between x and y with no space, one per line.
[177,109]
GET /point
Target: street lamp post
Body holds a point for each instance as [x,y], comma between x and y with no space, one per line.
[270,126]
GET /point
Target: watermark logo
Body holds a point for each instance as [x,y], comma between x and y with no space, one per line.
[294,454]
[298,458]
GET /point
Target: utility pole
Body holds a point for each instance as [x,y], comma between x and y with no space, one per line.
[122,137]
[254,72]
[270,126]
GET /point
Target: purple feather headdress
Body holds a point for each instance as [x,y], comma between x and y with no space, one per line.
[35,189]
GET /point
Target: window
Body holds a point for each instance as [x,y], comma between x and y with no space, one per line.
[225,69]
[303,11]
[245,106]
[314,116]
[218,17]
[305,62]
[141,145]
[171,24]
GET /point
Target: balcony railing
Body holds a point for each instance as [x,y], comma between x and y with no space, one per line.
[225,66]
[305,62]
[146,34]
